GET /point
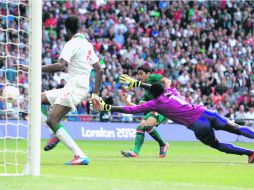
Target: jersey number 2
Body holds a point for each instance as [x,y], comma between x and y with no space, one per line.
[88,57]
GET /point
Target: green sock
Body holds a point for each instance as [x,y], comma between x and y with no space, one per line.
[45,113]
[156,136]
[139,139]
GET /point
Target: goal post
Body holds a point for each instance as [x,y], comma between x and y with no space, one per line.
[20,120]
[35,39]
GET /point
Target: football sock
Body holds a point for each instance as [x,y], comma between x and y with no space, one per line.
[156,136]
[69,142]
[139,139]
[231,149]
[247,132]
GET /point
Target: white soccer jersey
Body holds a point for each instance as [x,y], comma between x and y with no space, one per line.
[80,55]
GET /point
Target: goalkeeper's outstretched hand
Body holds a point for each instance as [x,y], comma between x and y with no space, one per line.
[104,106]
[132,83]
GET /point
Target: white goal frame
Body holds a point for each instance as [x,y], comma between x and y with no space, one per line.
[35,45]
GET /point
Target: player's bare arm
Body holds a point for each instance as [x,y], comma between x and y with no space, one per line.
[59,66]
[95,98]
[166,81]
[142,107]
[126,101]
[21,67]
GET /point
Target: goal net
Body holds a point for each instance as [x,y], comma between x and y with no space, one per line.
[17,118]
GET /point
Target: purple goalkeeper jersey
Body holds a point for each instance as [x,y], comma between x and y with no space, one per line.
[172,105]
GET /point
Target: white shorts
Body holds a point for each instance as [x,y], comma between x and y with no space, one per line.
[70,96]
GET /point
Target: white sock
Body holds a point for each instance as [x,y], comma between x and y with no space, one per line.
[52,134]
[69,142]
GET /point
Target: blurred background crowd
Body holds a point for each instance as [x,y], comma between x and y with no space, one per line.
[205,47]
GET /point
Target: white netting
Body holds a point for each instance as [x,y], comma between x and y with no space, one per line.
[14,51]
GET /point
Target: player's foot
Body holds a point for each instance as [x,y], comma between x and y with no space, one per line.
[78,161]
[163,150]
[51,143]
[251,158]
[129,154]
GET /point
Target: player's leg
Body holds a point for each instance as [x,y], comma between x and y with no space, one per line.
[151,120]
[52,95]
[53,141]
[54,118]
[139,140]
[205,133]
[222,123]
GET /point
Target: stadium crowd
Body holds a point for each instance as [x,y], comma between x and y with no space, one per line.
[205,47]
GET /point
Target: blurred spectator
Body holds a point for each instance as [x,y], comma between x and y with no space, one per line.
[250,117]
[241,115]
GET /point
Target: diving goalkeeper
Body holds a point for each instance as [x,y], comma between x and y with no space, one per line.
[197,118]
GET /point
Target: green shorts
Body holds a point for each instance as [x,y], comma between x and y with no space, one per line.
[159,118]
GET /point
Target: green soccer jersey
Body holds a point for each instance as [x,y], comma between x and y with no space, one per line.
[151,79]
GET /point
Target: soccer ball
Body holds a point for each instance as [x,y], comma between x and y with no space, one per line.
[10,93]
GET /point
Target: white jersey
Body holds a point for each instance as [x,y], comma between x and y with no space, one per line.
[80,55]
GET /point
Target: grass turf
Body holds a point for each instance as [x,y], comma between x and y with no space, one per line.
[188,165]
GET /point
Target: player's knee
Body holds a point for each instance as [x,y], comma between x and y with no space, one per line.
[51,122]
[142,123]
[140,128]
[214,143]
[44,99]
[233,128]
[209,140]
[148,122]
[148,129]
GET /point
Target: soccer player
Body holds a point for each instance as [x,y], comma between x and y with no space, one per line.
[197,118]
[152,118]
[79,56]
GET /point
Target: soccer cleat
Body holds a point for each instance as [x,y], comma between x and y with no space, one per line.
[163,150]
[51,143]
[251,158]
[129,154]
[78,161]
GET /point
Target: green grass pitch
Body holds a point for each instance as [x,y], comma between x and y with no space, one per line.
[188,166]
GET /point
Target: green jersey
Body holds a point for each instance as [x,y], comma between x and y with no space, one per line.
[151,79]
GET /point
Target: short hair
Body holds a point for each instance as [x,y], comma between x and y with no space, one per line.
[157,89]
[73,24]
[146,68]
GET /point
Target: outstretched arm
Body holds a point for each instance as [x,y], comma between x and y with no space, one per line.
[133,83]
[148,106]
[59,66]
[146,86]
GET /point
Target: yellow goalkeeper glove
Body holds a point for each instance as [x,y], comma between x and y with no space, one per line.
[104,106]
[132,83]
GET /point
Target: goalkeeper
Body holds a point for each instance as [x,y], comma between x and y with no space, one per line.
[151,119]
[197,118]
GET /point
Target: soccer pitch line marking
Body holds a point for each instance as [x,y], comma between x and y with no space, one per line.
[175,184]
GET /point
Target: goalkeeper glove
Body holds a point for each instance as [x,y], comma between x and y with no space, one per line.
[104,106]
[132,83]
